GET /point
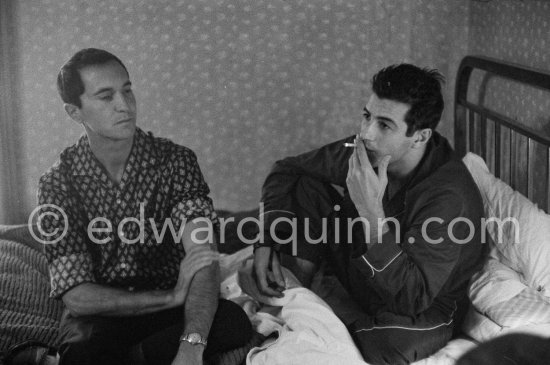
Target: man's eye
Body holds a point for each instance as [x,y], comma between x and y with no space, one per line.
[384,125]
[106,97]
[366,116]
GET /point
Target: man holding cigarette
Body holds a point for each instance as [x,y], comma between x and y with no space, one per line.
[404,268]
[133,293]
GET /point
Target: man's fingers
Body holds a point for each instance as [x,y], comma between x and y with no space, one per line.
[196,248]
[277,273]
[266,290]
[270,277]
[383,169]
[194,266]
[353,164]
[261,263]
[205,259]
[198,260]
[264,286]
[350,165]
[195,256]
[362,155]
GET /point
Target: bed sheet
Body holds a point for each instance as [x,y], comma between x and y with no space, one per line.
[309,331]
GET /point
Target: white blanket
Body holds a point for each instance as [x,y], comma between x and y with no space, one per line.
[308,330]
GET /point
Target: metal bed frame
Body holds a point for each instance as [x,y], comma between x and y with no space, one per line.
[476,126]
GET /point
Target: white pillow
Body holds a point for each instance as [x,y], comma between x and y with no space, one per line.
[494,284]
[529,252]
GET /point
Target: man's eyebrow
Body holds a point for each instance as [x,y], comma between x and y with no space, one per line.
[381,118]
[387,120]
[102,90]
[110,89]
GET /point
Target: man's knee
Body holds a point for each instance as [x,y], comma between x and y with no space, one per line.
[314,198]
[303,269]
[231,327]
[378,349]
[88,353]
[396,346]
[73,353]
[314,203]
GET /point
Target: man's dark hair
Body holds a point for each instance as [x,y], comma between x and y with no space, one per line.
[69,82]
[418,87]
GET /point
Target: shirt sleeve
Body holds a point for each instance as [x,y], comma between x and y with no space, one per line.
[409,274]
[327,164]
[190,198]
[63,232]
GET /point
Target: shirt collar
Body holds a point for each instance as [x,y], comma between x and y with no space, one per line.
[142,155]
[144,151]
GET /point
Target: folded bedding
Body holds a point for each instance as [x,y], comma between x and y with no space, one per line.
[26,311]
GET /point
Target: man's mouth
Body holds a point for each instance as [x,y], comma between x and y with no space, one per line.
[372,155]
[127,120]
[369,150]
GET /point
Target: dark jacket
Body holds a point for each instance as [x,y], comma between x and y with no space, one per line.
[408,272]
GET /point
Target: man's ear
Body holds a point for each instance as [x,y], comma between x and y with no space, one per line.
[422,136]
[74,112]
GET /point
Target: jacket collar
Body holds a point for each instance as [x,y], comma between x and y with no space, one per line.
[438,152]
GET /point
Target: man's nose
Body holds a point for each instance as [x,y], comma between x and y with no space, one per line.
[122,104]
[367,130]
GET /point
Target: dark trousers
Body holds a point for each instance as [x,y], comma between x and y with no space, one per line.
[383,337]
[151,338]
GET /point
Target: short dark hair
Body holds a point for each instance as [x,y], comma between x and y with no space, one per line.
[418,87]
[69,82]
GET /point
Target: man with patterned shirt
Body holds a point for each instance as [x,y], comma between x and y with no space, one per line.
[133,263]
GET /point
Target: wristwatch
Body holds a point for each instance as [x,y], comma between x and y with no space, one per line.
[194,338]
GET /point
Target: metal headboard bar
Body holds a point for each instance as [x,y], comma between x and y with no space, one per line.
[497,149]
[510,71]
[507,122]
[471,123]
[548,177]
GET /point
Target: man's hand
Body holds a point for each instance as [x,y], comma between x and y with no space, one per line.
[366,188]
[267,271]
[196,259]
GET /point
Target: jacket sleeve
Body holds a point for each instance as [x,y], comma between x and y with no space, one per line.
[327,164]
[408,269]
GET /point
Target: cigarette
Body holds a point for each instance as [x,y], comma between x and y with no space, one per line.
[350,144]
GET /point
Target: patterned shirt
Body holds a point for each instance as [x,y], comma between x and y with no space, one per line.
[123,235]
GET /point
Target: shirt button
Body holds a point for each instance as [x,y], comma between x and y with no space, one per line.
[123,266]
[118,201]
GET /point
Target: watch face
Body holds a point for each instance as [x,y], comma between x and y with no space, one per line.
[194,338]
